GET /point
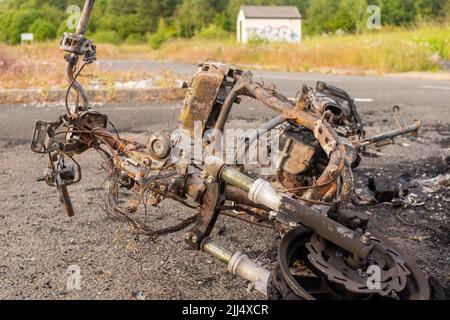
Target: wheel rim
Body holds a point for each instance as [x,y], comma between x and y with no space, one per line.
[314,285]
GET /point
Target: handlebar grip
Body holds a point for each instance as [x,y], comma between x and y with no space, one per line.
[65,200]
[85,16]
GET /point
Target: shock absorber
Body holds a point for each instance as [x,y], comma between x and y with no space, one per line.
[289,211]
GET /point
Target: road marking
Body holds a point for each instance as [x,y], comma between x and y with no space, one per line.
[363,100]
[435,87]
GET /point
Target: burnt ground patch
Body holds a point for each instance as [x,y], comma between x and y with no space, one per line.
[423,231]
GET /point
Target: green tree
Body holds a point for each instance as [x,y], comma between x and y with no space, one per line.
[134,19]
[43,30]
[13,23]
[446,9]
[157,39]
[350,15]
[194,15]
[397,12]
[431,8]
[320,16]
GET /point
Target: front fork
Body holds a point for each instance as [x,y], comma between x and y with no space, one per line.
[60,175]
[65,200]
[287,211]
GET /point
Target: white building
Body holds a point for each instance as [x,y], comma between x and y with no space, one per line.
[273,23]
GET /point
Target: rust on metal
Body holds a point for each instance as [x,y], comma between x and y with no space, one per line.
[305,200]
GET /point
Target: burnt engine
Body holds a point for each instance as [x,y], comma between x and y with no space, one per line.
[301,160]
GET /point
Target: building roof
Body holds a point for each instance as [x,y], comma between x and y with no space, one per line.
[271,12]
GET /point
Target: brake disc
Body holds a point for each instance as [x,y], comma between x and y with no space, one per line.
[385,271]
[312,268]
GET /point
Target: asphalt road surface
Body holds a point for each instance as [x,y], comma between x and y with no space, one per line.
[425,97]
[39,245]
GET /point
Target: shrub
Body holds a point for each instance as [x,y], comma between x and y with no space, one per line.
[156,40]
[212,32]
[107,37]
[43,30]
[256,41]
[135,38]
[62,28]
[163,34]
[13,23]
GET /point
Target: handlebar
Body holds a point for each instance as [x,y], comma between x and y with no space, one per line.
[85,16]
[412,130]
[77,46]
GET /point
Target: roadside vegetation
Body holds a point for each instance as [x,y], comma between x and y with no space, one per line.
[189,31]
[387,51]
[42,66]
[391,50]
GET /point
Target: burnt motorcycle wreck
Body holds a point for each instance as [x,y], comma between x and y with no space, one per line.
[326,250]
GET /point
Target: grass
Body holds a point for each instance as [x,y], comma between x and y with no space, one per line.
[389,50]
[42,66]
[393,50]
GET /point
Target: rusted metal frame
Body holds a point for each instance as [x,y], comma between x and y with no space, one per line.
[239,196]
[266,97]
[247,216]
[236,178]
[121,146]
[72,59]
[213,200]
[238,89]
[306,119]
[338,166]
[272,124]
[287,110]
[70,69]
[326,227]
[290,210]
[313,123]
[331,173]
[412,129]
[229,101]
[85,16]
[65,200]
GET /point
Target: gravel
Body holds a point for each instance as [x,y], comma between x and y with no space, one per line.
[39,243]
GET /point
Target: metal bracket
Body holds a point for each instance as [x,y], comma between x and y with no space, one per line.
[40,139]
[213,199]
[74,43]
